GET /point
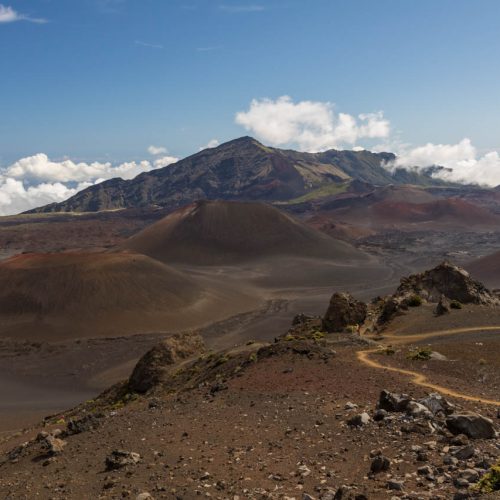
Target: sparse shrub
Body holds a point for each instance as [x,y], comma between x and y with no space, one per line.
[317,335]
[289,337]
[388,351]
[482,361]
[490,482]
[455,304]
[253,357]
[221,360]
[352,328]
[422,354]
[415,301]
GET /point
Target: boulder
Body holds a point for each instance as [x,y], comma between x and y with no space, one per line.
[443,306]
[393,402]
[435,403]
[344,310]
[473,425]
[156,363]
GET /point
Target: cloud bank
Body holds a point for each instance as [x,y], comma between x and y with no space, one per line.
[36,180]
[315,126]
[309,125]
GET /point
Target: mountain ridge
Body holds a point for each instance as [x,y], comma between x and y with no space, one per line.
[241,169]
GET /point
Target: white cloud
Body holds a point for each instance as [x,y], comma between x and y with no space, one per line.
[213,143]
[9,15]
[36,180]
[461,161]
[164,161]
[157,150]
[149,44]
[309,125]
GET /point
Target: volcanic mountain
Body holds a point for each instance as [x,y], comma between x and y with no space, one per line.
[68,295]
[242,169]
[224,232]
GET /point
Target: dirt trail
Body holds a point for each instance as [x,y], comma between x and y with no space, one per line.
[419,378]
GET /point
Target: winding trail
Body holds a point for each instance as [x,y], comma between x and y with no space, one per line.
[419,378]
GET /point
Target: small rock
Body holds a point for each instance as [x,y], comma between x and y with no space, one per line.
[120,458]
[379,415]
[465,452]
[359,420]
[144,496]
[396,485]
[392,402]
[379,464]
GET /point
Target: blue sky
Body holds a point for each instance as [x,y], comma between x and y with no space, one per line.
[102,80]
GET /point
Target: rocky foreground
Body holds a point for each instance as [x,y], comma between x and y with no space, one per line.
[300,418]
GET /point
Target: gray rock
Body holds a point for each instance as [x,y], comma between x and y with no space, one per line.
[392,402]
[396,485]
[471,475]
[473,425]
[415,409]
[464,453]
[359,420]
[435,403]
[379,415]
[379,464]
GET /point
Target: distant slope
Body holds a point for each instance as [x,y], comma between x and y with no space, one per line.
[242,169]
[90,282]
[61,296]
[486,269]
[222,232]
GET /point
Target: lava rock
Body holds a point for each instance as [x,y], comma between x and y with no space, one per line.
[473,425]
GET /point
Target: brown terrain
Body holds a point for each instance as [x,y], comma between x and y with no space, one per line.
[252,407]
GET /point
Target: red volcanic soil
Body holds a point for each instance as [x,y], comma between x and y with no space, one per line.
[452,210]
[486,269]
[222,232]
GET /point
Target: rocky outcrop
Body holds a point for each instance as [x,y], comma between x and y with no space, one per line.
[447,285]
[344,310]
[446,280]
[156,363]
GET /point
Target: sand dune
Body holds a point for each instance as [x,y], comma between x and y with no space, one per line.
[222,232]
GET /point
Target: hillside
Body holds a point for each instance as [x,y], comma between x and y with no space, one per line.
[487,269]
[222,232]
[241,169]
[80,295]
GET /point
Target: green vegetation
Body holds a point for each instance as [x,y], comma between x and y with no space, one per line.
[318,335]
[352,328]
[388,351]
[329,189]
[253,357]
[455,304]
[421,354]
[221,360]
[490,482]
[415,301]
[289,337]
